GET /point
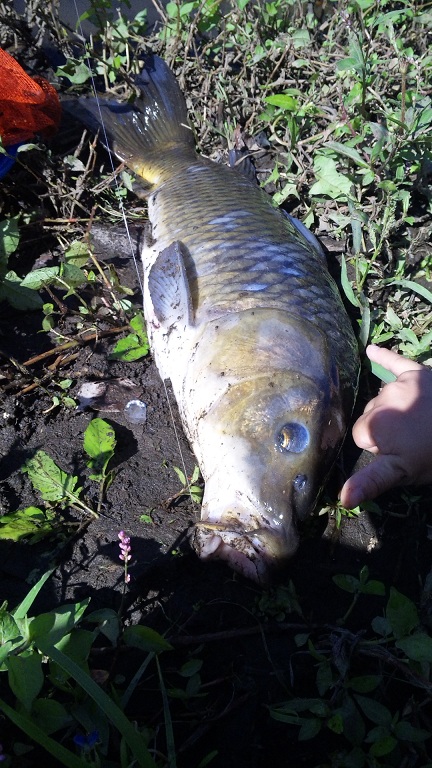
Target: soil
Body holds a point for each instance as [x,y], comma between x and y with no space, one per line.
[244,635]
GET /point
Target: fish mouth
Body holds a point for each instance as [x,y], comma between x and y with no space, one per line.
[256,554]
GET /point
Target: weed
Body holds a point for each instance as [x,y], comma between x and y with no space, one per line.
[61,489]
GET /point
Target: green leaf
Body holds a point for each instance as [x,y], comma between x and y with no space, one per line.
[365,683]
[9,239]
[309,728]
[134,739]
[335,723]
[384,746]
[26,724]
[191,667]
[346,582]
[415,287]
[32,522]
[135,345]
[405,731]
[25,677]
[346,285]
[129,349]
[72,275]
[53,626]
[417,647]
[346,151]
[329,181]
[11,637]
[108,623]
[40,277]
[52,483]
[99,444]
[401,613]
[75,70]
[373,587]
[138,636]
[50,715]
[283,100]
[382,373]
[373,710]
[77,253]
[23,608]
[17,296]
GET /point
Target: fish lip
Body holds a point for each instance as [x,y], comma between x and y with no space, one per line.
[256,554]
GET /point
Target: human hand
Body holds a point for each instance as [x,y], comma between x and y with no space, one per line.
[396,426]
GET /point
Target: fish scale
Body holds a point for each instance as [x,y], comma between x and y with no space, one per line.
[245,320]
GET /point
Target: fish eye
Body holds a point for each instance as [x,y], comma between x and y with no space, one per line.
[292,438]
[299,482]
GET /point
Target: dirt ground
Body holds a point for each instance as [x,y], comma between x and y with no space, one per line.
[244,635]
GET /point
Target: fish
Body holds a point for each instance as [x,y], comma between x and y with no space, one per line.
[246,322]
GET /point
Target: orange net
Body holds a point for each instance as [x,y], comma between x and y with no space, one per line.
[28,106]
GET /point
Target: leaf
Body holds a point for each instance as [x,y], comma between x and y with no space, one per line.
[407,732]
[346,151]
[52,483]
[146,639]
[401,613]
[373,710]
[32,522]
[50,715]
[75,71]
[346,285]
[25,677]
[9,239]
[63,756]
[416,287]
[283,100]
[417,647]
[346,582]
[135,345]
[40,277]
[133,738]
[129,349]
[382,373]
[23,608]
[108,623]
[77,253]
[53,626]
[18,296]
[373,587]
[365,683]
[309,729]
[99,444]
[329,181]
[384,746]
[191,667]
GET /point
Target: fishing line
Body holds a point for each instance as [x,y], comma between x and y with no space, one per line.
[129,237]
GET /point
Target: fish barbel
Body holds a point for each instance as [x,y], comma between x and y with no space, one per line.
[245,320]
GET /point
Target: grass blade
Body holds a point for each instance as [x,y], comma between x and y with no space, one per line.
[103,701]
[63,755]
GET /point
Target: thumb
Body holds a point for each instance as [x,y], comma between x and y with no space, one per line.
[383,473]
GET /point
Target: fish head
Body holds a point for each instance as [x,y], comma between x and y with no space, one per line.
[267,445]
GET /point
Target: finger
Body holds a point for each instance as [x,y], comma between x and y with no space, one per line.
[380,475]
[362,434]
[393,362]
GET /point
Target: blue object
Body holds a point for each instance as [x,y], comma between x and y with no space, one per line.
[7,161]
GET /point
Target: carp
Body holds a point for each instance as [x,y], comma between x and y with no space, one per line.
[245,320]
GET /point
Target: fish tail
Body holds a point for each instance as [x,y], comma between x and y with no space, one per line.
[143,133]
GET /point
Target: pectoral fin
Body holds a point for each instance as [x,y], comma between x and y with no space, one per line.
[169,288]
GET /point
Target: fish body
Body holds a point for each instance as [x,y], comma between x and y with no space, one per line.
[245,320]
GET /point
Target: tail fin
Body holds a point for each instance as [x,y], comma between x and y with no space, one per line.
[142,132]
